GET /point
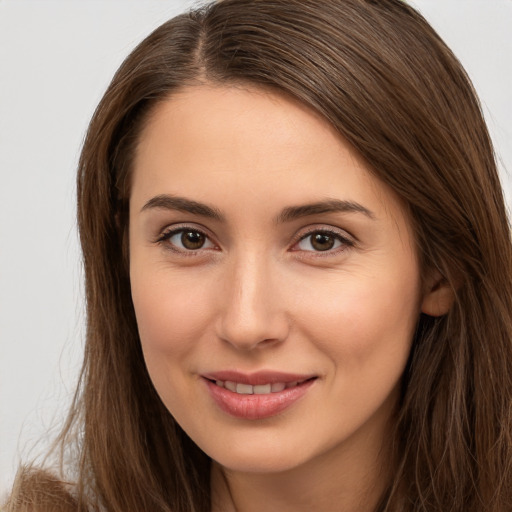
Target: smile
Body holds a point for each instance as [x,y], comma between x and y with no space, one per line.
[258,396]
[262,389]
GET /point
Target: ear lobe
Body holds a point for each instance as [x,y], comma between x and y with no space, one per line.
[438,297]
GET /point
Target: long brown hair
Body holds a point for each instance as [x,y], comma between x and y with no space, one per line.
[385,80]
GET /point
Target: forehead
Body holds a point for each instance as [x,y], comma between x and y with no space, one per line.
[216,118]
[226,143]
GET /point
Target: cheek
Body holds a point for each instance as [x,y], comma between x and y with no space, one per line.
[365,331]
[171,318]
[171,315]
[362,322]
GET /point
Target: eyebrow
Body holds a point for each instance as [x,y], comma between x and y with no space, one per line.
[183,204]
[169,202]
[328,206]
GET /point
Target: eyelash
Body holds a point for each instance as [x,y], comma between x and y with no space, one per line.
[166,236]
[345,241]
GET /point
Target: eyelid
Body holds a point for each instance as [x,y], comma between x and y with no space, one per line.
[168,232]
[346,239]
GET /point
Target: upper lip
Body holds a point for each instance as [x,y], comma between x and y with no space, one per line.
[257,378]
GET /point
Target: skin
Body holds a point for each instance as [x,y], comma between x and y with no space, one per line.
[258,295]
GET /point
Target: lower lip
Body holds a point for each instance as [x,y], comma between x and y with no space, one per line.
[256,407]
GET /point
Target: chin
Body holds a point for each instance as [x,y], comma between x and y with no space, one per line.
[274,455]
[259,463]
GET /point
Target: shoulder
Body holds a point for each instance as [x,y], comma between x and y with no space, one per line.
[37,490]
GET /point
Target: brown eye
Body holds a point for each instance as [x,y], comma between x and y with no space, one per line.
[192,240]
[186,239]
[322,241]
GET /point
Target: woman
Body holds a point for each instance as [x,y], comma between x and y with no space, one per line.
[343,344]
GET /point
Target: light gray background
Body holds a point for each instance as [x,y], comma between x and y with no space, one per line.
[56,59]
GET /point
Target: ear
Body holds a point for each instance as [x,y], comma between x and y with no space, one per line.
[438,296]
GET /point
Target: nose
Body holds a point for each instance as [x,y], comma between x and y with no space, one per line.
[251,309]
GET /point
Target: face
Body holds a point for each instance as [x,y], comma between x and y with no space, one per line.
[274,278]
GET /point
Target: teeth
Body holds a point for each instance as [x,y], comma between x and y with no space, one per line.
[262,389]
[278,386]
[230,385]
[244,389]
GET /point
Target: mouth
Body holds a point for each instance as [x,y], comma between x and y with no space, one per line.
[258,389]
[257,396]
